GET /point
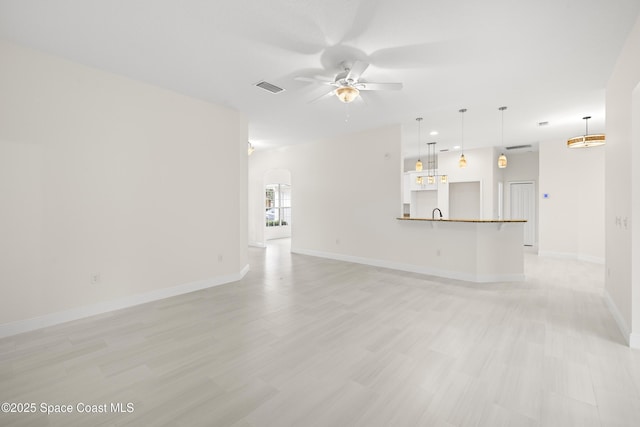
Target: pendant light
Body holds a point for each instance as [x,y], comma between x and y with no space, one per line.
[432,170]
[502,159]
[250,148]
[462,162]
[419,162]
[586,140]
[431,167]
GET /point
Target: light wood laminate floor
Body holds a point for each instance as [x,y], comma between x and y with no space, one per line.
[304,341]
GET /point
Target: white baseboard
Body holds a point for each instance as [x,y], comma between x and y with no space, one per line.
[576,257]
[411,268]
[633,340]
[20,326]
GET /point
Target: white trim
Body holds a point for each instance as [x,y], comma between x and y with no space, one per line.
[633,340]
[576,257]
[20,326]
[536,212]
[258,244]
[243,272]
[447,274]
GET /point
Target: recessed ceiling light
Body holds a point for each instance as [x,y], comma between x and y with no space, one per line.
[433,132]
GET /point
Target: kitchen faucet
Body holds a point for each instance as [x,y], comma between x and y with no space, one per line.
[433,213]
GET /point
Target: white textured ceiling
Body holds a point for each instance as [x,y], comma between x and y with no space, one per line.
[545,60]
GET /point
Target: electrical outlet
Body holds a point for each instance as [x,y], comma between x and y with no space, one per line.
[95,278]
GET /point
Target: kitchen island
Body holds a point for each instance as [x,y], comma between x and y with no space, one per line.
[476,250]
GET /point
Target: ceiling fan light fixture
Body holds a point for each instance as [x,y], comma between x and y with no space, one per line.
[347,94]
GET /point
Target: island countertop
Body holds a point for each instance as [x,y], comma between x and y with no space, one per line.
[462,220]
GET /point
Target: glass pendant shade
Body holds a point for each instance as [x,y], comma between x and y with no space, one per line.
[418,165]
[443,179]
[419,180]
[462,162]
[502,161]
[586,141]
[431,179]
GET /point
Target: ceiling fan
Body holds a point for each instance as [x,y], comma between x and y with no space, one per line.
[348,85]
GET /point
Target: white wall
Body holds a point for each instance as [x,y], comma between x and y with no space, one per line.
[423,203]
[103,175]
[464,200]
[334,200]
[571,220]
[622,210]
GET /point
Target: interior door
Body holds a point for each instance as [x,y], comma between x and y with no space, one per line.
[523,206]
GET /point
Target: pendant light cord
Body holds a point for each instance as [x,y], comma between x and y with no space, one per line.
[462,111]
[586,125]
[419,119]
[502,127]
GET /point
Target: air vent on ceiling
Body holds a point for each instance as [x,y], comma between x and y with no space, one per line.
[444,150]
[543,123]
[269,87]
[516,147]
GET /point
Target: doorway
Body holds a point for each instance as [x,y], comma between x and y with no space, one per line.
[523,206]
[277,204]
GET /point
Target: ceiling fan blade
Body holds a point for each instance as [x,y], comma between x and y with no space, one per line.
[450,52]
[314,80]
[363,17]
[378,86]
[323,96]
[356,70]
